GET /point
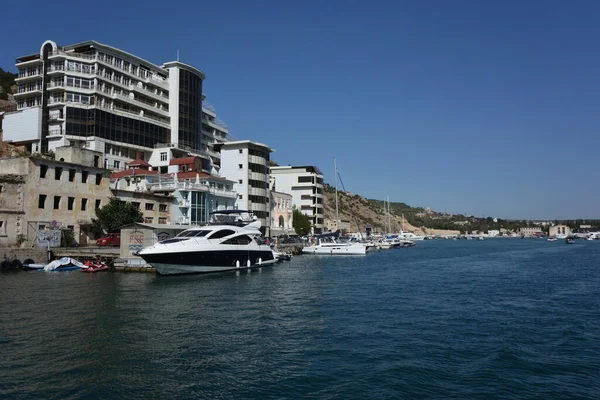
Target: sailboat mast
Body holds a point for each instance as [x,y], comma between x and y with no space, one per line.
[337,219]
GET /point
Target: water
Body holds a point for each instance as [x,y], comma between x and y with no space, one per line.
[498,319]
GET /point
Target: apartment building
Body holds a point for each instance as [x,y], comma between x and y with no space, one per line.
[98,97]
[246,163]
[305,184]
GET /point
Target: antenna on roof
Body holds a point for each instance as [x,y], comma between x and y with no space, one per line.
[177,55]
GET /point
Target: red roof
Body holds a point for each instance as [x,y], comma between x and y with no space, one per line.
[183,160]
[132,172]
[191,175]
[139,163]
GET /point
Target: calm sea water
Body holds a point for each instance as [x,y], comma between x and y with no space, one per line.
[496,319]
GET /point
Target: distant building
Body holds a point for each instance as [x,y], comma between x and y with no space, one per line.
[559,230]
[493,233]
[530,231]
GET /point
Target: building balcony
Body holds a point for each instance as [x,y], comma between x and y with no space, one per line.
[143,104]
[23,77]
[258,176]
[257,160]
[160,97]
[203,186]
[258,192]
[58,54]
[28,91]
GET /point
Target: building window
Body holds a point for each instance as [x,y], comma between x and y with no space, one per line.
[57,173]
[56,202]
[3,228]
[41,201]
[149,206]
[71,175]
[136,204]
[240,196]
[240,181]
[70,202]
[84,176]
[163,156]
[98,203]
[241,151]
[98,179]
[162,207]
[240,166]
[148,220]
[116,164]
[43,170]
[305,179]
[83,204]
[162,220]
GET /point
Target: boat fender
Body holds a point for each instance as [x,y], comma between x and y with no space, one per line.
[260,261]
[237,264]
[248,263]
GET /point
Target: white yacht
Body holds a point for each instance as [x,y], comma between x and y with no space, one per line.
[227,243]
[329,244]
[410,236]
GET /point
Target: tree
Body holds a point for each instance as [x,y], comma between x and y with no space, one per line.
[113,215]
[301,223]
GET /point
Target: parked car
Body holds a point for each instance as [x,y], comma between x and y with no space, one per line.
[112,239]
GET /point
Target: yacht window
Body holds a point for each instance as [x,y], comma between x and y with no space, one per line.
[201,233]
[244,239]
[221,233]
[194,233]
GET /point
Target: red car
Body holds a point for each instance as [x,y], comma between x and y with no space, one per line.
[113,239]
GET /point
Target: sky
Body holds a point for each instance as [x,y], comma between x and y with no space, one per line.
[480,108]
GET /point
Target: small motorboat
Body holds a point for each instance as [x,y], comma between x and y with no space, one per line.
[570,240]
[94,266]
[281,256]
[552,239]
[62,264]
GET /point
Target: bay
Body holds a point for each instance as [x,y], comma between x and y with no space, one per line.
[493,319]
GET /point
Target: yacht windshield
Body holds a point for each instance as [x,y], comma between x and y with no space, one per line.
[194,233]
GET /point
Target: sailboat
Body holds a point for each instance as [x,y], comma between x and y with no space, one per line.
[330,243]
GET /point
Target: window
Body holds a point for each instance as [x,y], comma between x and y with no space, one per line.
[136,204]
[56,202]
[240,166]
[163,156]
[240,196]
[162,207]
[245,239]
[240,181]
[149,206]
[281,221]
[305,179]
[3,228]
[116,164]
[162,220]
[71,175]
[70,202]
[148,220]
[221,234]
[98,203]
[241,151]
[83,204]
[43,170]
[84,176]
[41,201]
[98,179]
[57,173]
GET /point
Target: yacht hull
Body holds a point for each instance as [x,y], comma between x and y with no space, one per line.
[203,262]
[335,250]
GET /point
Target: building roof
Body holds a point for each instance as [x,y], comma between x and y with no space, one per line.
[307,168]
[183,160]
[139,163]
[242,143]
[132,172]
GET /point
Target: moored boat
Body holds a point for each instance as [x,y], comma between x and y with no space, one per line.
[227,243]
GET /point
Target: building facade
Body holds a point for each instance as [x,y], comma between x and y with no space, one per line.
[98,97]
[39,194]
[282,214]
[305,184]
[559,230]
[246,163]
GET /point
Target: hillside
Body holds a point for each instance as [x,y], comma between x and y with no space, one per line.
[354,208]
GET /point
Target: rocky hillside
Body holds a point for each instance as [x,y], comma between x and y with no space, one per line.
[354,208]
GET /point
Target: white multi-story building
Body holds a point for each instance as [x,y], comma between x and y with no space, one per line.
[98,97]
[305,184]
[246,163]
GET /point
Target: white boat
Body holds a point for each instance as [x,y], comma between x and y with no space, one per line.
[330,244]
[228,243]
[552,239]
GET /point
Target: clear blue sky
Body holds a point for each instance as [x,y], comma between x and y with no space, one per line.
[478,107]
